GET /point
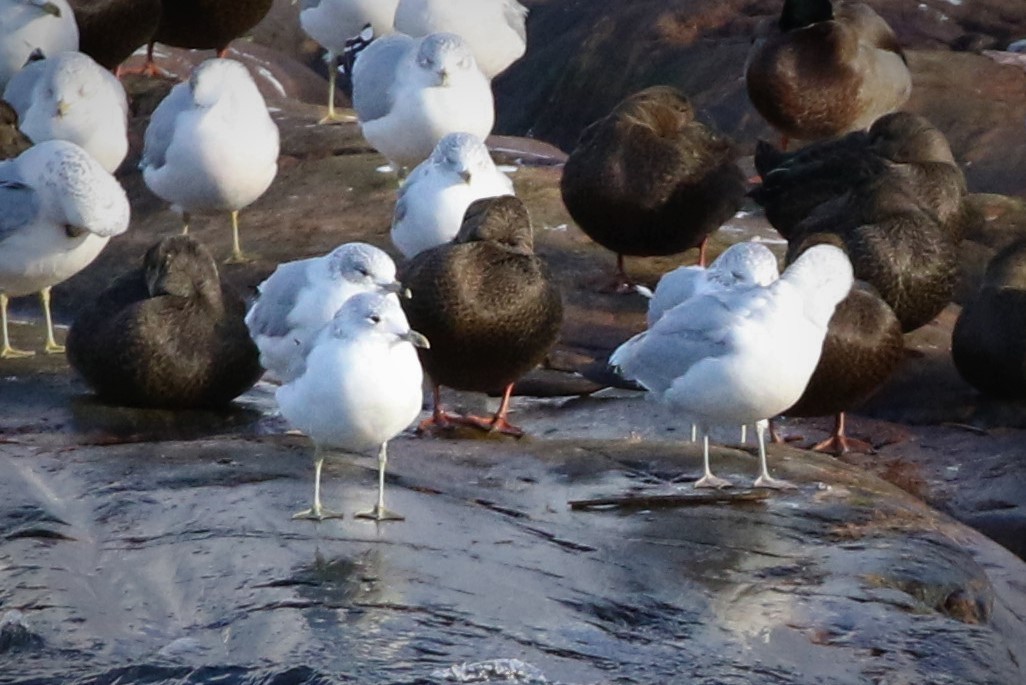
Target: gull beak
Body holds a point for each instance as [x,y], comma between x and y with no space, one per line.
[443,77]
[415,339]
[62,108]
[465,175]
[397,288]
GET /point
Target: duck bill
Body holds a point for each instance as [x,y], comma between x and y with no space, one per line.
[416,339]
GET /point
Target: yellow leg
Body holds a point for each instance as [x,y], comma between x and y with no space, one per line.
[237,256]
[6,351]
[51,343]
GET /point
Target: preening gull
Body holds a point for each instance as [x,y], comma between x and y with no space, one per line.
[30,25]
[744,355]
[651,179]
[211,145]
[71,97]
[487,303]
[409,92]
[495,30]
[167,334]
[436,194]
[361,388]
[58,209]
[740,265]
[301,297]
[333,22]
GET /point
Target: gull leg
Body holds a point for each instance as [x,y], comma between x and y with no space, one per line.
[765,480]
[51,343]
[332,116]
[709,480]
[694,432]
[317,512]
[379,512]
[185,223]
[7,351]
[237,256]
[744,433]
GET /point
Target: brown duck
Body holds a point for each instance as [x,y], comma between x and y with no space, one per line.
[487,304]
[649,179]
[111,30]
[826,68]
[169,334]
[988,344]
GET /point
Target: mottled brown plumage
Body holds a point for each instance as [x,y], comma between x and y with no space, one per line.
[649,179]
[862,348]
[12,141]
[206,24]
[485,301]
[111,30]
[894,243]
[902,147]
[988,344]
[169,334]
[826,69]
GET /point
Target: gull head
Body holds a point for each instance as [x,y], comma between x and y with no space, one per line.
[823,276]
[744,264]
[446,56]
[365,266]
[215,78]
[463,154]
[376,315]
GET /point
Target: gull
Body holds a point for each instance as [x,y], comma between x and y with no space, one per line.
[741,355]
[211,145]
[495,30]
[58,209]
[301,297]
[361,388]
[436,194]
[30,25]
[334,22]
[409,92]
[71,97]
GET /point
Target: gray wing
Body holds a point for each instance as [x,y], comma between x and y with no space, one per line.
[161,128]
[516,17]
[673,288]
[278,294]
[18,92]
[374,74]
[19,203]
[698,329]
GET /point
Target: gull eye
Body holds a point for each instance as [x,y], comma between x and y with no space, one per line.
[465,63]
[374,318]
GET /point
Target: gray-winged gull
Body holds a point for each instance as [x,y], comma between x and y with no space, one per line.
[58,209]
[495,30]
[211,145]
[410,92]
[436,194]
[743,355]
[301,297]
[361,388]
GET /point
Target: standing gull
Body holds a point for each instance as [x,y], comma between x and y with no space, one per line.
[168,334]
[410,92]
[333,22]
[650,179]
[487,303]
[211,145]
[495,30]
[741,356]
[361,387]
[30,25]
[300,297]
[58,209]
[71,97]
[436,194]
